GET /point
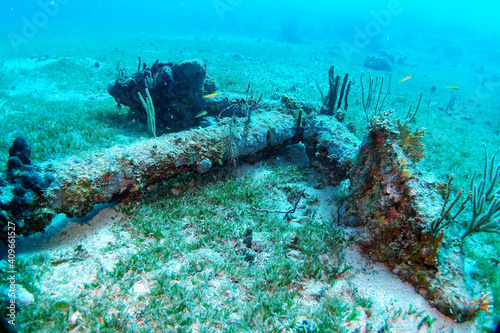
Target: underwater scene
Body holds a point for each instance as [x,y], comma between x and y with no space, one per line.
[249,166]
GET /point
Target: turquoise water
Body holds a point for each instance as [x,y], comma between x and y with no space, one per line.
[472,25]
[57,58]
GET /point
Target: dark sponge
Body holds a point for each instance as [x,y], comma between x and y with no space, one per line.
[14,163]
[22,190]
[21,149]
[4,217]
[34,181]
[49,178]
[19,190]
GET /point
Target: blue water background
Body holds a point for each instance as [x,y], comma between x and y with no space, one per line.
[369,24]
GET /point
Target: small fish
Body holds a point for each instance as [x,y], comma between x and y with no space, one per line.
[453,87]
[201,114]
[210,95]
[405,78]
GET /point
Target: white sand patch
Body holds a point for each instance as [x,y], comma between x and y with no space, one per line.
[375,280]
[75,251]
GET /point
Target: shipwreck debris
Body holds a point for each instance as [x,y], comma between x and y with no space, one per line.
[33,195]
[394,205]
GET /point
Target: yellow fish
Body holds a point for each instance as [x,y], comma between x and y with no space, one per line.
[201,114]
[453,87]
[210,95]
[405,78]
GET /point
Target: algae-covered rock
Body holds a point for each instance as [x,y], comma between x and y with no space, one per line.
[381,63]
[394,204]
[331,146]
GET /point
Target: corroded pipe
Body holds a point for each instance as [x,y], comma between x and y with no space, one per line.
[120,171]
